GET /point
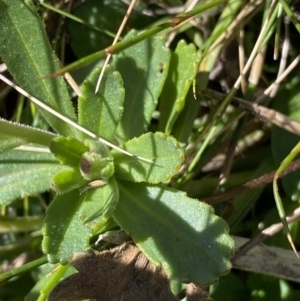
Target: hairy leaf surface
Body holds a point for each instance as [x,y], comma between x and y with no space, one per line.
[162,150]
[179,233]
[64,232]
[101,112]
[25,173]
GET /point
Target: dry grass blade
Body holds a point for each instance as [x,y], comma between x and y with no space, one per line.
[67,120]
[130,8]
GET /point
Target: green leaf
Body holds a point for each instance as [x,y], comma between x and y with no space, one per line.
[67,180]
[25,173]
[184,124]
[98,204]
[68,150]
[25,50]
[101,112]
[144,68]
[10,142]
[15,134]
[164,151]
[282,142]
[182,71]
[179,233]
[64,232]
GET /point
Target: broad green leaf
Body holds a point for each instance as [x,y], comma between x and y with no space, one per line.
[101,112]
[178,233]
[68,150]
[163,150]
[15,134]
[64,232]
[144,68]
[67,180]
[25,50]
[10,142]
[182,71]
[287,101]
[98,204]
[25,173]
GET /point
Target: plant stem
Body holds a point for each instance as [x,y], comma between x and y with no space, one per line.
[24,268]
[175,21]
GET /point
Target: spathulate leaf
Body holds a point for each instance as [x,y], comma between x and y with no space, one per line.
[25,50]
[161,149]
[64,232]
[16,134]
[25,173]
[144,68]
[182,71]
[98,204]
[179,233]
[101,112]
[68,150]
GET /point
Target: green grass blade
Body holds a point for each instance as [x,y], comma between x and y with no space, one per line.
[284,164]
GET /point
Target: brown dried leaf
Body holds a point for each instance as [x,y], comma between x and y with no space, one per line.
[122,273]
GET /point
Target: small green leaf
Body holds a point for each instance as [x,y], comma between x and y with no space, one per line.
[67,180]
[25,173]
[15,134]
[182,71]
[26,51]
[68,150]
[64,232]
[164,151]
[101,112]
[181,234]
[98,204]
[184,124]
[144,68]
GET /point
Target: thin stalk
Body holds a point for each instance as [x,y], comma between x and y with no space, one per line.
[130,8]
[144,35]
[52,281]
[291,15]
[76,19]
[24,268]
[69,121]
